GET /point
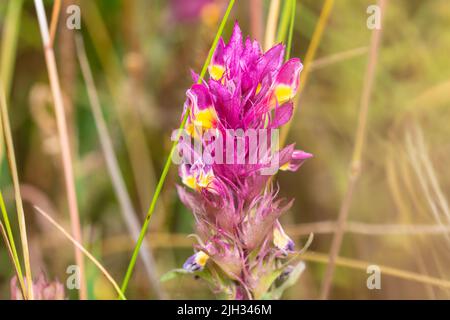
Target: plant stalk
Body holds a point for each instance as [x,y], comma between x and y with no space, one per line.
[69,177]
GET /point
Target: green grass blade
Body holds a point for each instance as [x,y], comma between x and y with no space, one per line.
[284,21]
[9,43]
[8,50]
[291,29]
[15,178]
[9,233]
[11,246]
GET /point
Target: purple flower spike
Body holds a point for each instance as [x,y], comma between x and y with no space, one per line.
[229,154]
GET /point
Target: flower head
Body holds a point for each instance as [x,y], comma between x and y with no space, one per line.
[237,210]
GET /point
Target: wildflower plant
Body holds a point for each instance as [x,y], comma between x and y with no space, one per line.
[228,154]
[42,289]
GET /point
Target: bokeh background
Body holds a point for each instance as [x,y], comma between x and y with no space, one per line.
[141,53]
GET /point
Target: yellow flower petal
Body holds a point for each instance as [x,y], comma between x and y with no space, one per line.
[216,71]
[280,240]
[201,258]
[283,93]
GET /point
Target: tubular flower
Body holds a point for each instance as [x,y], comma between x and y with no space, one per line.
[234,116]
[196,262]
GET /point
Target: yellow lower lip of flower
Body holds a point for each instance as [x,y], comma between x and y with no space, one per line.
[279,240]
[216,71]
[284,167]
[206,118]
[283,93]
[258,88]
[190,182]
[201,258]
[198,183]
[205,179]
[203,120]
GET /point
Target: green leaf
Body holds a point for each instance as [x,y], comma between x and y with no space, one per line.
[265,282]
[172,274]
[204,274]
[290,281]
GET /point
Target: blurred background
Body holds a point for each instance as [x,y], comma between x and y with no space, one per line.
[141,53]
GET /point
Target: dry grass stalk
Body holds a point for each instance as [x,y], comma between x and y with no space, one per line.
[83,250]
[309,58]
[69,177]
[112,164]
[113,246]
[338,57]
[54,21]
[272,23]
[256,19]
[128,118]
[385,270]
[355,167]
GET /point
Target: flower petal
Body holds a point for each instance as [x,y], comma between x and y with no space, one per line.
[196,262]
[282,115]
[287,81]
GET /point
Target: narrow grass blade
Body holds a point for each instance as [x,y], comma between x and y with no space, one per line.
[8,50]
[274,10]
[15,177]
[385,270]
[112,164]
[83,250]
[310,54]
[14,261]
[9,43]
[54,20]
[291,29]
[284,21]
[130,123]
[11,243]
[63,136]
[355,166]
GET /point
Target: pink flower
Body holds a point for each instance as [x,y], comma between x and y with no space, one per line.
[234,204]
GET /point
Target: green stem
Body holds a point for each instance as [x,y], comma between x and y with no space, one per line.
[12,244]
[9,232]
[284,22]
[9,43]
[9,146]
[169,158]
[8,51]
[291,30]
